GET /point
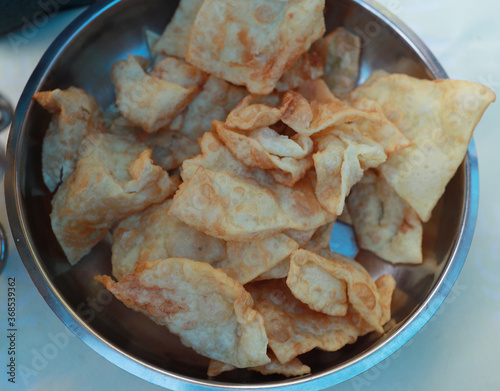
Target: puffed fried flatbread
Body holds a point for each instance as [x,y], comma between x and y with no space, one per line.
[247,260]
[382,131]
[253,43]
[287,159]
[255,112]
[330,285]
[175,39]
[154,234]
[114,177]
[214,102]
[343,155]
[293,328]
[277,272]
[179,72]
[75,114]
[223,197]
[439,117]
[321,238]
[308,67]
[147,101]
[223,326]
[383,222]
[313,108]
[340,51]
[292,368]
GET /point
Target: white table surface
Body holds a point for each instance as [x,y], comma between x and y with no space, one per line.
[459,348]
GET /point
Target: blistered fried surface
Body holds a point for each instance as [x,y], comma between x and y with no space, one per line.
[340,51]
[209,311]
[439,117]
[255,112]
[253,43]
[154,234]
[343,155]
[247,260]
[308,67]
[214,102]
[175,39]
[313,108]
[293,328]
[179,72]
[330,284]
[114,177]
[75,114]
[232,201]
[266,149]
[147,101]
[383,222]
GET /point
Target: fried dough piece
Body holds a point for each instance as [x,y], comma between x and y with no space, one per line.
[382,131]
[439,117]
[343,155]
[340,51]
[209,311]
[247,260]
[255,112]
[301,237]
[154,234]
[313,108]
[253,43]
[75,113]
[293,328]
[175,39]
[321,238]
[330,284]
[179,72]
[287,159]
[214,102]
[308,67]
[383,222]
[292,368]
[147,101]
[224,198]
[113,178]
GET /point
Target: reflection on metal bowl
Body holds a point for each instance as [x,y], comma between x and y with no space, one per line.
[82,56]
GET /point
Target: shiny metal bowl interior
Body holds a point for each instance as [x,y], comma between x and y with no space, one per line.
[82,56]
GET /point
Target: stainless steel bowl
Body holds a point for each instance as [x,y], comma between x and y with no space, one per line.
[82,56]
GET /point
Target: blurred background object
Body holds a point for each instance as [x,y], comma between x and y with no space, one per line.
[16,14]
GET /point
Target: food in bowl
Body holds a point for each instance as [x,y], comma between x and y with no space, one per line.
[273,173]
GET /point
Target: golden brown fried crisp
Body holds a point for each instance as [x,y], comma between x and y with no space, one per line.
[287,159]
[209,311]
[255,112]
[340,51]
[75,114]
[308,67]
[147,101]
[179,72]
[439,117]
[114,177]
[253,43]
[313,108]
[330,284]
[383,222]
[342,157]
[214,102]
[293,328]
[225,198]
[154,234]
[247,260]
[175,39]
[292,368]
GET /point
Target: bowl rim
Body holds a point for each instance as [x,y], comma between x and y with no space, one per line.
[161,377]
